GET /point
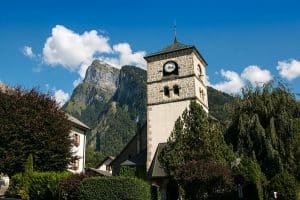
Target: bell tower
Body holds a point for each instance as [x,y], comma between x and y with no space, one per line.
[175,76]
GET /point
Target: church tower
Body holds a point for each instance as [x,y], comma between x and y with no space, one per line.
[175,76]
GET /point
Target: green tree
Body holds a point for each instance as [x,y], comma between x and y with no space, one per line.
[266,127]
[196,147]
[33,123]
[93,158]
[285,184]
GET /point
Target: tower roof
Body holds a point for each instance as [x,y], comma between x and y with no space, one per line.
[175,46]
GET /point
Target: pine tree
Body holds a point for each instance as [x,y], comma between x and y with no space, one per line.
[197,156]
[266,127]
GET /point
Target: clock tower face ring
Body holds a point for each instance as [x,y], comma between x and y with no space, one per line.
[170,67]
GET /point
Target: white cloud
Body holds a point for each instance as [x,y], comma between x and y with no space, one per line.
[61,97]
[256,76]
[233,83]
[27,51]
[69,49]
[127,57]
[289,69]
[76,52]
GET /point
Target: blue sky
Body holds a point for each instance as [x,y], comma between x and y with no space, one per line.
[49,43]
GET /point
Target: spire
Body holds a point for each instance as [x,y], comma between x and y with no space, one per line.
[175,33]
[175,40]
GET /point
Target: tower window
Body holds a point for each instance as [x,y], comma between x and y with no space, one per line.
[200,70]
[202,94]
[176,90]
[167,91]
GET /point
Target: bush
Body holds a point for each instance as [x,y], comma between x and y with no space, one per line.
[41,185]
[114,188]
[285,184]
[69,188]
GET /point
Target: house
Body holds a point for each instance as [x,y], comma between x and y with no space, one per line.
[134,154]
[78,134]
[103,169]
[105,164]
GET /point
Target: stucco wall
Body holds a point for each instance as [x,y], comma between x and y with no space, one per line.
[160,123]
[79,151]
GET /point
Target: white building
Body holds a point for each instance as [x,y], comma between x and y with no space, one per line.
[78,134]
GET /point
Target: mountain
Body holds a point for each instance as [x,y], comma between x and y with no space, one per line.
[113,103]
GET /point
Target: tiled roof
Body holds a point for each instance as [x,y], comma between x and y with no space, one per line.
[100,172]
[77,122]
[156,170]
[175,46]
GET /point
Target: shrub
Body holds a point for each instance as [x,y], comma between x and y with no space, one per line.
[41,185]
[285,184]
[114,188]
[69,188]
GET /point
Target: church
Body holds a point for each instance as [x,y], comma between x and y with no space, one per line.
[175,77]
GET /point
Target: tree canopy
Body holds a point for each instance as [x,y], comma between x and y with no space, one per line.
[32,123]
[196,155]
[265,126]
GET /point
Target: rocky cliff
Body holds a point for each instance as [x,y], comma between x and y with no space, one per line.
[112,102]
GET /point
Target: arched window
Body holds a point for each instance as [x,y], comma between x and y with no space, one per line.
[167,91]
[200,70]
[176,90]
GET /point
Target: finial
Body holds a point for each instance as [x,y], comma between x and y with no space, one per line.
[175,34]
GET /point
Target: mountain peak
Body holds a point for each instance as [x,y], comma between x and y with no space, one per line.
[102,75]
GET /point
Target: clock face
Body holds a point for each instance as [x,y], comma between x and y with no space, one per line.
[169,67]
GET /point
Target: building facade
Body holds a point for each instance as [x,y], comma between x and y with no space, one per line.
[78,134]
[175,76]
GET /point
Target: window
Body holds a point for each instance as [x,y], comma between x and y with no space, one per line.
[200,70]
[108,168]
[76,139]
[176,90]
[167,91]
[75,163]
[202,94]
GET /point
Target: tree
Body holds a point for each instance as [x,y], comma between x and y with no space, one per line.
[93,158]
[33,123]
[196,147]
[265,126]
[285,184]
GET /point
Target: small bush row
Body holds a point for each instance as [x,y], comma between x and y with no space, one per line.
[37,186]
[67,186]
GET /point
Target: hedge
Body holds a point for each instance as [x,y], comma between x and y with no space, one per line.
[39,186]
[69,188]
[114,188]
